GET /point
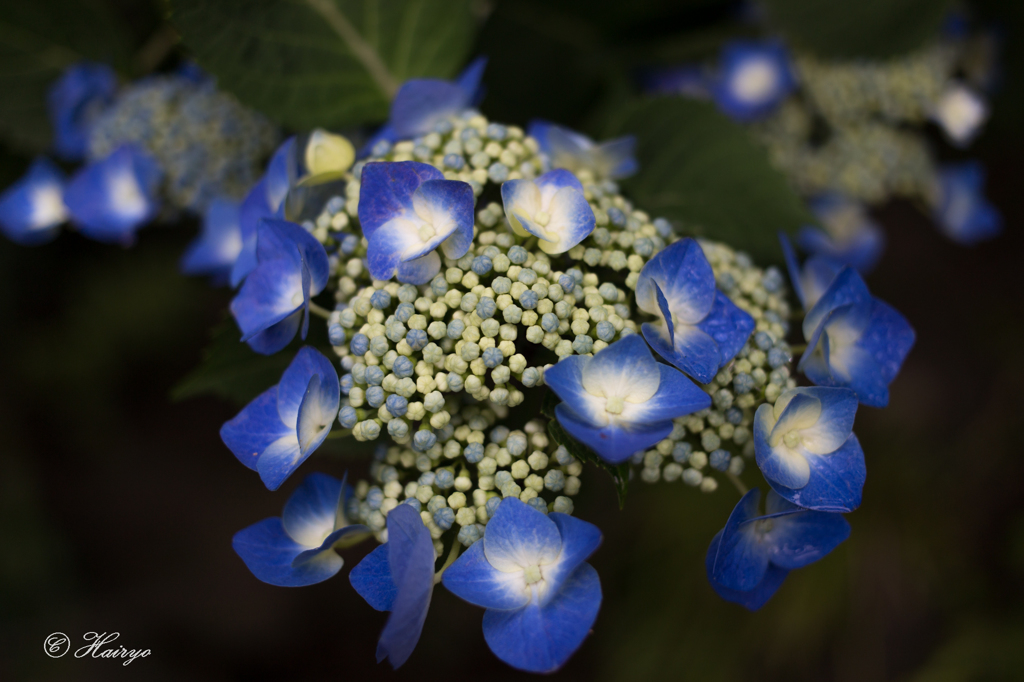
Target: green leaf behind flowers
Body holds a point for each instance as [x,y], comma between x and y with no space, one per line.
[331,63]
[618,472]
[38,40]
[848,29]
[230,369]
[700,168]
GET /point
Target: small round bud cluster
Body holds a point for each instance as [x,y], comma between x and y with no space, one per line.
[206,142]
[856,127]
[717,440]
[457,483]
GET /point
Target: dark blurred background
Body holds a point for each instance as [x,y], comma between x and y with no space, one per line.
[117,504]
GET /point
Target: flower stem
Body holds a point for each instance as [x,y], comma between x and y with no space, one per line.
[453,554]
[318,311]
[737,482]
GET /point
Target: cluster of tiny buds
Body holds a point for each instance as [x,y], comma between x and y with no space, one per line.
[458,482]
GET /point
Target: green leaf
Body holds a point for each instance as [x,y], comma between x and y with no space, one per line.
[702,169]
[619,472]
[38,40]
[231,370]
[848,29]
[330,63]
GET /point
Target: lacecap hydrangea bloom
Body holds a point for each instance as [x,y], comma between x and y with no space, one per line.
[501,315]
[163,144]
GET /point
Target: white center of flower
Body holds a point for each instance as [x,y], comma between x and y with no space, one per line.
[542,218]
[532,574]
[126,195]
[756,80]
[791,439]
[615,404]
[47,206]
[426,232]
[297,298]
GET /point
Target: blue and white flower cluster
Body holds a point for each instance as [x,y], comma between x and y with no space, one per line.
[852,132]
[161,144]
[474,278]
[472,265]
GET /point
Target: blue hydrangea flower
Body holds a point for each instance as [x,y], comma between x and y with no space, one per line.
[407,209]
[574,151]
[297,548]
[753,79]
[749,558]
[399,577]
[280,428]
[855,340]
[422,103]
[850,236]
[32,209]
[551,208]
[274,301]
[620,400]
[806,448]
[960,112]
[811,281]
[74,102]
[688,80]
[264,200]
[111,198]
[699,330]
[961,210]
[215,250]
[529,572]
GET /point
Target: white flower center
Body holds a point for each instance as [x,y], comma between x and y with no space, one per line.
[755,81]
[126,195]
[542,218]
[791,439]
[47,206]
[426,232]
[615,404]
[532,574]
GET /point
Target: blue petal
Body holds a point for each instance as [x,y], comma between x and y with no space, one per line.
[818,274]
[347,536]
[422,102]
[372,580]
[787,466]
[519,536]
[317,411]
[215,250]
[419,271]
[280,175]
[740,561]
[729,326]
[802,538]
[962,212]
[540,639]
[691,350]
[32,209]
[254,208]
[835,423]
[451,204]
[750,104]
[557,179]
[474,579]
[74,103]
[469,80]
[836,483]
[387,188]
[109,199]
[848,288]
[280,238]
[267,296]
[276,336]
[755,598]
[310,513]
[676,396]
[616,159]
[579,540]
[613,443]
[269,553]
[279,460]
[686,279]
[411,560]
[295,380]
[793,268]
[888,340]
[255,428]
